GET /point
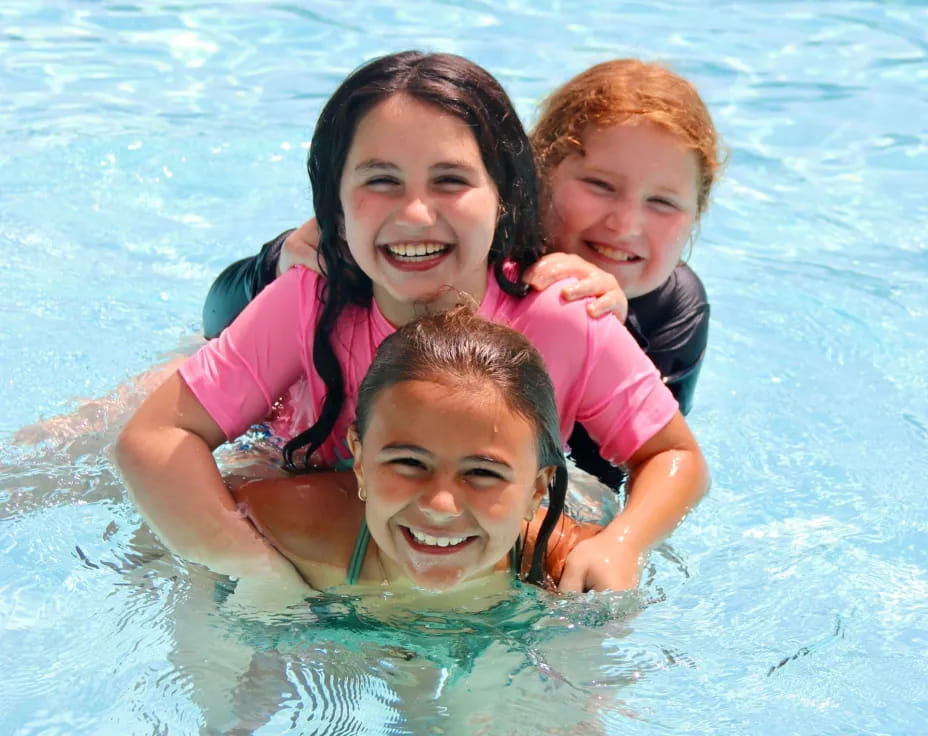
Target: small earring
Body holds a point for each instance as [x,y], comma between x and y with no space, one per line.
[362,493]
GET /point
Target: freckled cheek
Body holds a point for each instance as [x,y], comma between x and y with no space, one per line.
[670,232]
[577,210]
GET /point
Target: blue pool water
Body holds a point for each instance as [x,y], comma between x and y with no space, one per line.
[143,146]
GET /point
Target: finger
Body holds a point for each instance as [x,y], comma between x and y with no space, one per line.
[571,579]
[594,284]
[611,303]
[540,276]
[600,306]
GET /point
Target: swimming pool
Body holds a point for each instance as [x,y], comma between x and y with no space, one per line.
[143,146]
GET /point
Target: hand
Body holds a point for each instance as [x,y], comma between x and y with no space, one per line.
[592,281]
[300,248]
[601,563]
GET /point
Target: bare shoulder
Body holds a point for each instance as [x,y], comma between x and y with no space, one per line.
[310,519]
[566,535]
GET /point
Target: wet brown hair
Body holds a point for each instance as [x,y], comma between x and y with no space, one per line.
[627,91]
[459,345]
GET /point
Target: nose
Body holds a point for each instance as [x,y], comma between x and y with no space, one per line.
[440,501]
[416,211]
[625,219]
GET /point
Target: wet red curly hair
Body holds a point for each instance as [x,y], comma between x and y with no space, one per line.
[624,91]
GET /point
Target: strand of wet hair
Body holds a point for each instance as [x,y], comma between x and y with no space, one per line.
[556,497]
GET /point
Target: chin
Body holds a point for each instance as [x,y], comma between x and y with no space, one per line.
[438,583]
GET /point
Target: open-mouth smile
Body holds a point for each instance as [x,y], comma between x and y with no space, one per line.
[421,253]
[422,542]
[613,254]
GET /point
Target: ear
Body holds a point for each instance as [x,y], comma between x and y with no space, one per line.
[354,444]
[542,481]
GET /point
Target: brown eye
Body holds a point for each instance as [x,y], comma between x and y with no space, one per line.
[599,184]
[483,477]
[664,204]
[409,462]
[382,182]
[451,181]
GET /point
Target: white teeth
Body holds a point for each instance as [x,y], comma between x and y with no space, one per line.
[612,253]
[415,250]
[435,541]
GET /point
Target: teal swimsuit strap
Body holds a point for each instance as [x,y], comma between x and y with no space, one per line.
[357,556]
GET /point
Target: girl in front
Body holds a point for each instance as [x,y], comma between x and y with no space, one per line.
[456,443]
[423,186]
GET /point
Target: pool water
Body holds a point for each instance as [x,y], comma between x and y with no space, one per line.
[144,146]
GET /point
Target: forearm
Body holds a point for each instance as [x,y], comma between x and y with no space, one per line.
[238,284]
[668,478]
[174,481]
[660,492]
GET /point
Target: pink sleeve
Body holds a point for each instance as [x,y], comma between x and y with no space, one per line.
[601,376]
[238,376]
[625,402]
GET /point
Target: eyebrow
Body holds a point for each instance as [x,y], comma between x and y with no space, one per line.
[611,175]
[377,164]
[401,447]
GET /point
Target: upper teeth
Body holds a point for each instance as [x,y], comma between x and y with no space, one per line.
[415,249]
[612,253]
[435,541]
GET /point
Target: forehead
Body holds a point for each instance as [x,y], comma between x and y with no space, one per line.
[640,140]
[401,124]
[461,411]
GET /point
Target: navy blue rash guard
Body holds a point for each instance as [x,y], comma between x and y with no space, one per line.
[671,324]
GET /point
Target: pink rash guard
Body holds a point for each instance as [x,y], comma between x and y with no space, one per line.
[601,377]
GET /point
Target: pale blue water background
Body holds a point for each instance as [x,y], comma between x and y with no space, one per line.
[143,146]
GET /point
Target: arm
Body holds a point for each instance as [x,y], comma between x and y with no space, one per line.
[634,419]
[682,384]
[671,324]
[238,284]
[165,452]
[165,456]
[241,282]
[668,478]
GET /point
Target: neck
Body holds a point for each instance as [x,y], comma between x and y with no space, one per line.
[399,312]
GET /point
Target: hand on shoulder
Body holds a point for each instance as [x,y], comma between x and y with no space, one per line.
[300,248]
[592,281]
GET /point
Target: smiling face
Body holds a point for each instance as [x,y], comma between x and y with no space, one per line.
[628,204]
[419,207]
[450,472]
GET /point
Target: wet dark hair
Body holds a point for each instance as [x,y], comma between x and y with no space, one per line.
[453,85]
[460,346]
